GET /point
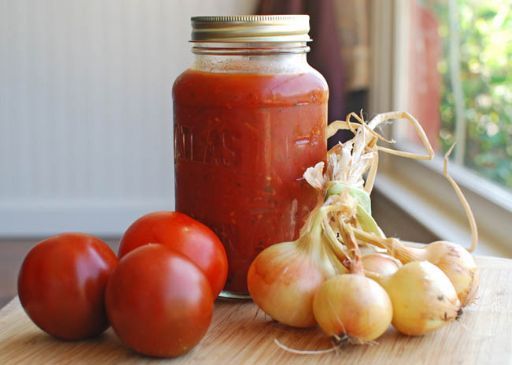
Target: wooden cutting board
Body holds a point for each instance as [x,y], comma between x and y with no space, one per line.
[241,334]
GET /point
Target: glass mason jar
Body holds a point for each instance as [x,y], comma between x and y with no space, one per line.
[249,117]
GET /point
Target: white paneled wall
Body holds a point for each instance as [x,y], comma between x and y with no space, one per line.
[85,109]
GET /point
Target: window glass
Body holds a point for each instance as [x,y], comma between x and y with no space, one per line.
[460,81]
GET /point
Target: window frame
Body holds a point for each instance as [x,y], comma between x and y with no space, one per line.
[423,191]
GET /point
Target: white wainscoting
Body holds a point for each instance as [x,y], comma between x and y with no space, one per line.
[85,109]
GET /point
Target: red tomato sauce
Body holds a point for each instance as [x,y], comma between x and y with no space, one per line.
[242,143]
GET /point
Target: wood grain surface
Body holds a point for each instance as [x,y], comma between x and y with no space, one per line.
[241,334]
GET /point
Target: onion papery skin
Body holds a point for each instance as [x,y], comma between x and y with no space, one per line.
[460,267]
[381,264]
[423,298]
[353,305]
[283,279]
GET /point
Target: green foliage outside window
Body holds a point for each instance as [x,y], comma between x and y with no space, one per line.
[485,32]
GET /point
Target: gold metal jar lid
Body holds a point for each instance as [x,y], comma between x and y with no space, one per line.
[250,28]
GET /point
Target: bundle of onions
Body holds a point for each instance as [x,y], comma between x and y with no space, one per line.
[305,282]
[455,261]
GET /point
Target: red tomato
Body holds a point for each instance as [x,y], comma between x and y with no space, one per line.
[159,303]
[184,235]
[62,283]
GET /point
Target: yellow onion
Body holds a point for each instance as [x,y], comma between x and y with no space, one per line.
[423,298]
[283,278]
[353,307]
[380,263]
